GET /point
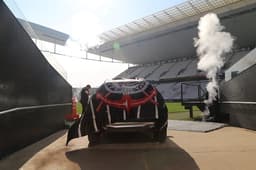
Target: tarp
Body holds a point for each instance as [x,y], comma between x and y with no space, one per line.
[120,101]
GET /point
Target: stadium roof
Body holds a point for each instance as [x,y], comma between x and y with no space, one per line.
[169,33]
[43,33]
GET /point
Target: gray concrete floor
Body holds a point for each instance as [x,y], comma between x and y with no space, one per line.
[194,126]
[228,148]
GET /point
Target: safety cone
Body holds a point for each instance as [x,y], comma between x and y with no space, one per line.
[71,118]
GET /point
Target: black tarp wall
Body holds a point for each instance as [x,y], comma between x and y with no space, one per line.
[34,97]
[238,99]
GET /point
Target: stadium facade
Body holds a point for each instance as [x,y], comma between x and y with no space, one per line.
[162,46]
[35,97]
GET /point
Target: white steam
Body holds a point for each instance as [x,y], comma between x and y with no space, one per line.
[212,43]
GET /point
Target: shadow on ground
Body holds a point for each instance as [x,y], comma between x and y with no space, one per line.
[133,155]
[17,159]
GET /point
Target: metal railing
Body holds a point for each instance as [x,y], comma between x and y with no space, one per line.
[199,98]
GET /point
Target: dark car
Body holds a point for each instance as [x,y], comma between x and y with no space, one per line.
[123,106]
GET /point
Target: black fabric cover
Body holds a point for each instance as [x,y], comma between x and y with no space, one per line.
[121,95]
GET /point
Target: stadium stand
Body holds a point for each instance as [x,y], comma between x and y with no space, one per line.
[169,76]
[161,70]
[190,70]
[170,43]
[176,69]
[235,57]
[147,71]
[135,73]
[126,73]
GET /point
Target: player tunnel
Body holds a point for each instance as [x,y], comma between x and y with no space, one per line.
[34,97]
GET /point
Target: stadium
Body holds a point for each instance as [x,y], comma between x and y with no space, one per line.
[161,45]
[35,96]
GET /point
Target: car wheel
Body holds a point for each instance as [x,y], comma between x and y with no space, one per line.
[94,139]
[160,135]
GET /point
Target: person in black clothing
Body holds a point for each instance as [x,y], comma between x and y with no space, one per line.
[84,94]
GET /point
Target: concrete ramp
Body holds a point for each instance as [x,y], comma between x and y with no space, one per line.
[225,149]
[194,126]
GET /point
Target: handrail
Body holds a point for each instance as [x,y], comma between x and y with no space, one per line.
[33,107]
[199,89]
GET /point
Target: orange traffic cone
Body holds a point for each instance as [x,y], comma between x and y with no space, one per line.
[74,111]
[70,118]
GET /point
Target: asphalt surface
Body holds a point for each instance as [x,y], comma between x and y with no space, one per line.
[228,148]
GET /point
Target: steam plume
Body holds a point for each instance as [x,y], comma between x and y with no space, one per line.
[212,43]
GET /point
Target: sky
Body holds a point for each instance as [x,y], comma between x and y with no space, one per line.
[83,20]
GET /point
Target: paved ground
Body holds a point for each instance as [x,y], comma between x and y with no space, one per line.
[194,126]
[228,148]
